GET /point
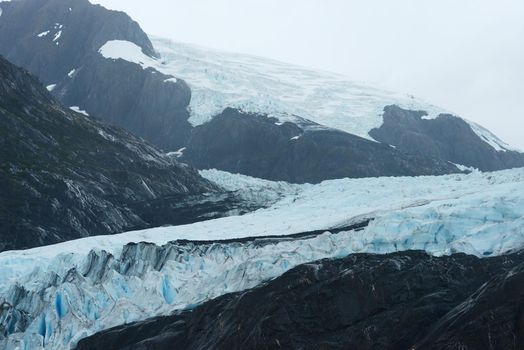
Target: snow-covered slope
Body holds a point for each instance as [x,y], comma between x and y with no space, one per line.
[258,85]
[56,294]
[285,91]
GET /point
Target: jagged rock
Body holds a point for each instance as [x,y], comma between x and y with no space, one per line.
[50,38]
[65,176]
[255,145]
[118,92]
[446,137]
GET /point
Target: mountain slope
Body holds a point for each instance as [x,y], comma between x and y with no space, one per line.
[58,40]
[176,95]
[63,33]
[65,176]
[258,146]
[445,137]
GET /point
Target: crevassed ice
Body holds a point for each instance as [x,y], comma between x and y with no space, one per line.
[253,84]
[62,299]
[284,91]
[265,86]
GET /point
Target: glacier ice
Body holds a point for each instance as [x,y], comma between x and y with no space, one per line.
[58,294]
[284,91]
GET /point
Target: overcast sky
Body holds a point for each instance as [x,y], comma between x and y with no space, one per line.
[464,55]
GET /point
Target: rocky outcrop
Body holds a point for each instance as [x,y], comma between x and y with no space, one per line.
[50,38]
[360,302]
[60,46]
[64,175]
[258,146]
[143,101]
[446,138]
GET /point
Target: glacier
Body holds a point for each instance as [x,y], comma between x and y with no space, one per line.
[53,296]
[311,99]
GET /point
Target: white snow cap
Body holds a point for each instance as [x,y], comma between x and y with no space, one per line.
[284,91]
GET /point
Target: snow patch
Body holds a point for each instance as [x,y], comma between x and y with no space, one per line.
[78,110]
[178,153]
[57,36]
[50,87]
[464,168]
[295,138]
[71,73]
[128,51]
[43,34]
[106,135]
[171,80]
[492,140]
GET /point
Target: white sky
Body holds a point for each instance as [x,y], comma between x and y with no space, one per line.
[464,55]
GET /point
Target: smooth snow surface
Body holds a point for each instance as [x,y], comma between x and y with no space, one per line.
[478,213]
[284,91]
[126,50]
[491,139]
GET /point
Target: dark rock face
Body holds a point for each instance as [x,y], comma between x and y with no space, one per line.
[65,176]
[446,138]
[119,92]
[491,318]
[83,29]
[139,100]
[363,301]
[255,145]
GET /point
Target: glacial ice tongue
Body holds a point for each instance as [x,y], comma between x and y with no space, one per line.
[58,294]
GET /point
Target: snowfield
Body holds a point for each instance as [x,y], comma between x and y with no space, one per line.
[287,92]
[67,291]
